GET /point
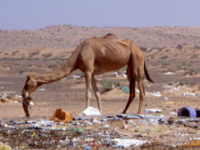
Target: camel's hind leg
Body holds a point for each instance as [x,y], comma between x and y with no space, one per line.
[131,80]
[131,95]
[96,93]
[140,86]
[88,79]
[142,93]
[135,71]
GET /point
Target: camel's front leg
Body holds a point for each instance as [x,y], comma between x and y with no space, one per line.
[26,103]
[88,78]
[97,93]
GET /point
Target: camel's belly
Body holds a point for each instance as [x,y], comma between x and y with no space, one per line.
[103,67]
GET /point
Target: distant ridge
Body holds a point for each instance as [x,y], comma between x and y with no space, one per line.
[68,37]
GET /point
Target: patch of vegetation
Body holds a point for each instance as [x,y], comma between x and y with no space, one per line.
[54,62]
[194,56]
[164,57]
[167,50]
[164,63]
[53,66]
[34,54]
[179,47]
[196,47]
[109,84]
[13,53]
[46,55]
[157,48]
[185,65]
[193,71]
[144,49]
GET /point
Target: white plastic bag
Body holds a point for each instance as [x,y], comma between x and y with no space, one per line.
[90,111]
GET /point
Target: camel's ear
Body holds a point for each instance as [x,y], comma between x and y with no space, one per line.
[30,78]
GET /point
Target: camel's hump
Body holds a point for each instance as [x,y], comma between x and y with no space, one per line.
[109,35]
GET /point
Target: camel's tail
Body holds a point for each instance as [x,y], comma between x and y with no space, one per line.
[147,74]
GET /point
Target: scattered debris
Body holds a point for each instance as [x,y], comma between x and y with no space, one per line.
[93,133]
[41,89]
[165,98]
[90,111]
[76,76]
[168,73]
[188,112]
[125,89]
[125,143]
[152,111]
[109,84]
[60,115]
[156,94]
[5,147]
[189,94]
[9,96]
[117,73]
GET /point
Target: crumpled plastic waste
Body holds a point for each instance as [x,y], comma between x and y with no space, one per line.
[125,143]
[156,94]
[152,111]
[192,144]
[9,96]
[168,73]
[60,115]
[5,147]
[189,94]
[41,89]
[76,76]
[126,89]
[90,111]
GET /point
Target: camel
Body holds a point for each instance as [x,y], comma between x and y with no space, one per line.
[95,56]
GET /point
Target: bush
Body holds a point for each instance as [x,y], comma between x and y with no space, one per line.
[109,84]
[164,64]
[53,66]
[45,55]
[144,49]
[179,47]
[164,57]
[34,54]
[194,56]
[196,47]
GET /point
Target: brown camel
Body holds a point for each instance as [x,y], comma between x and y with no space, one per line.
[95,56]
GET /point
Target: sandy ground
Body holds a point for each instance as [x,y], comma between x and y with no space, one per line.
[69,94]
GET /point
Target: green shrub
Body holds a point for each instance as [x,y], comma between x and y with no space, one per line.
[109,84]
[164,63]
[53,66]
[179,47]
[164,57]
[46,55]
[34,54]
[196,47]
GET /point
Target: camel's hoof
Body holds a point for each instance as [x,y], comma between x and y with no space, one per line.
[28,115]
[139,113]
[123,112]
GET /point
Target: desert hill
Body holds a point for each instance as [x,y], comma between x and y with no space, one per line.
[67,37]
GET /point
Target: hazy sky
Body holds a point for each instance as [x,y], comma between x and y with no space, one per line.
[35,14]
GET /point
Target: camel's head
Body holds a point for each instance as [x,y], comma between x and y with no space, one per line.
[30,86]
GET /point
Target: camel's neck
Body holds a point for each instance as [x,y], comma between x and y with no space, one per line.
[57,74]
[62,71]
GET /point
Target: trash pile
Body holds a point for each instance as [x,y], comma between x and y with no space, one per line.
[9,96]
[84,132]
[91,130]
